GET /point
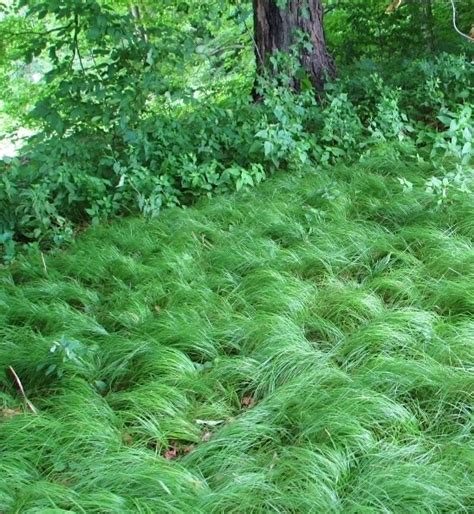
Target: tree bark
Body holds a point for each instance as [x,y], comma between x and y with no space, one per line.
[136,13]
[428,22]
[276,29]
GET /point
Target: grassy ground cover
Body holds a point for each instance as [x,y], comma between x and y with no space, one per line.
[303,347]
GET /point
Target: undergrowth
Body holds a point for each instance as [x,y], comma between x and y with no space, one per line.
[305,346]
[175,152]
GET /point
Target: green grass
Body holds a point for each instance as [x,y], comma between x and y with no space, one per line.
[303,347]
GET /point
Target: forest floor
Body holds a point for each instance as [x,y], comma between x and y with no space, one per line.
[306,346]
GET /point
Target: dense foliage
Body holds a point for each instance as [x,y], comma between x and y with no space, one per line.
[138,109]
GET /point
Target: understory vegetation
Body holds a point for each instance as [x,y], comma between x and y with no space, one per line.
[302,347]
[178,153]
[127,124]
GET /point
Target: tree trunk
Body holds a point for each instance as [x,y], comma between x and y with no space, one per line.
[428,22]
[276,29]
[136,13]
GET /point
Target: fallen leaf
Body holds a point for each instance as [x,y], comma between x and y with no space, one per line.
[188,449]
[127,438]
[171,453]
[206,436]
[10,413]
[247,401]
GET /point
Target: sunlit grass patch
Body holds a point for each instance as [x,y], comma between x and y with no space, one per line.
[306,346]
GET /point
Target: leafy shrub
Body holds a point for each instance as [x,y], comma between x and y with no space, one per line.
[281,128]
[431,85]
[389,121]
[444,189]
[174,153]
[451,156]
[424,85]
[65,353]
[342,129]
[457,140]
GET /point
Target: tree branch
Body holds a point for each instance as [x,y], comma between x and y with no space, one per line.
[469,38]
[76,50]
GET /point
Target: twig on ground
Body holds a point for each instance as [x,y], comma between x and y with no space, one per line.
[18,383]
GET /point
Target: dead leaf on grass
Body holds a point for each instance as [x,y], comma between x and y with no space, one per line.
[209,422]
[247,401]
[127,438]
[171,453]
[206,436]
[10,413]
[188,449]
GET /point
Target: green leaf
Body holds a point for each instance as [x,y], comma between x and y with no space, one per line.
[50,369]
[268,148]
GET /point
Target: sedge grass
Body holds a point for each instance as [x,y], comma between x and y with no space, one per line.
[306,346]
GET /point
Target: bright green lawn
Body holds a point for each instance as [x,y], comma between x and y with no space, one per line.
[303,347]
